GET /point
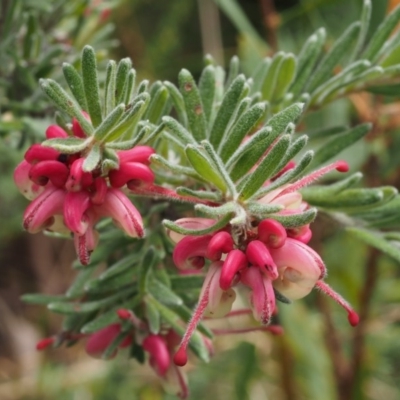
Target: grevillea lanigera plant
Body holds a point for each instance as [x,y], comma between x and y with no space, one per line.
[182,200]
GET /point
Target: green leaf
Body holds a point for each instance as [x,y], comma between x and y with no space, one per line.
[178,130]
[307,59]
[346,199]
[244,126]
[116,283]
[207,90]
[289,176]
[382,34]
[296,220]
[92,160]
[38,298]
[234,67]
[200,194]
[124,66]
[175,168]
[365,20]
[271,79]
[196,343]
[69,145]
[186,282]
[285,76]
[130,120]
[386,90]
[149,261]
[259,75]
[219,167]
[247,155]
[75,84]
[266,168]
[339,50]
[109,95]
[109,122]
[113,346]
[197,232]
[153,317]
[338,143]
[91,85]
[157,106]
[129,87]
[377,240]
[163,293]
[177,100]
[204,167]
[89,306]
[78,286]
[263,210]
[226,110]
[64,103]
[193,105]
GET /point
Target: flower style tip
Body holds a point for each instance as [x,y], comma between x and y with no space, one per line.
[181,358]
[352,316]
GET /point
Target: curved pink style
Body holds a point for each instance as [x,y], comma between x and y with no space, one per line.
[221,242]
[40,213]
[262,296]
[52,170]
[272,233]
[124,214]
[258,255]
[37,153]
[140,154]
[190,252]
[234,262]
[160,358]
[131,171]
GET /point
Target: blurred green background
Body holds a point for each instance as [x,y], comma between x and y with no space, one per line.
[320,357]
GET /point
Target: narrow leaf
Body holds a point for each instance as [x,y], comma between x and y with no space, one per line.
[226,110]
[69,145]
[266,169]
[207,90]
[109,96]
[91,85]
[124,66]
[92,160]
[109,122]
[193,105]
[75,83]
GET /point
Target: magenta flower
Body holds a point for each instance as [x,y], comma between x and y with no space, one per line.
[68,199]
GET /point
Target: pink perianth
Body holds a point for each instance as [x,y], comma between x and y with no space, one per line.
[180,357]
[340,166]
[351,314]
[221,242]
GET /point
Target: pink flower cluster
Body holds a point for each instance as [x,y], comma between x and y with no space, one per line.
[265,257]
[65,198]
